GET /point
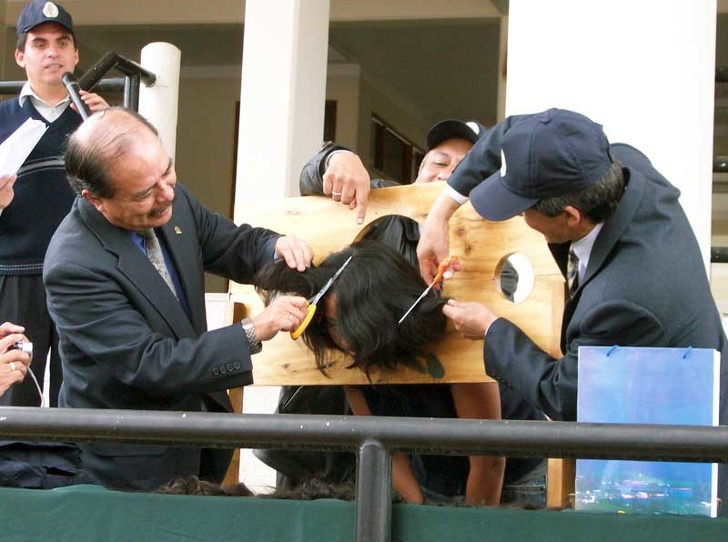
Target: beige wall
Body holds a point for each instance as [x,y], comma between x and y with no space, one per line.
[344,89]
[393,113]
[205,144]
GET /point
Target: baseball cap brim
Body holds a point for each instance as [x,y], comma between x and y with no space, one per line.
[493,201]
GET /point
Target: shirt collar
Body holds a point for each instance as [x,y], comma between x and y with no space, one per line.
[49,112]
[138,240]
[583,247]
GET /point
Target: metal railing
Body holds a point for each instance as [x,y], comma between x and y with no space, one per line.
[373,439]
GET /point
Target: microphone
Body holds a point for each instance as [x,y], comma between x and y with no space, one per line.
[74,91]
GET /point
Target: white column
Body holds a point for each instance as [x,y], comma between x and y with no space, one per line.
[158,103]
[283,91]
[643,69]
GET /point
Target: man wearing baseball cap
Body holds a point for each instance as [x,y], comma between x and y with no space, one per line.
[616,229]
[34,201]
[338,172]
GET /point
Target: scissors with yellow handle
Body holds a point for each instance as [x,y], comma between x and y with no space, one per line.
[314,301]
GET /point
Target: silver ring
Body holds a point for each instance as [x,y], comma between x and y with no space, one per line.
[335,193]
[12,366]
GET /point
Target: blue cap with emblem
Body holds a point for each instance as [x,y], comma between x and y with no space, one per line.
[42,11]
[544,155]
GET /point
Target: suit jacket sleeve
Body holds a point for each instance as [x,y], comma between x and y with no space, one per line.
[311,180]
[551,384]
[231,251]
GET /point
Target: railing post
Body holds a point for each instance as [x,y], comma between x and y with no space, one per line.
[373,493]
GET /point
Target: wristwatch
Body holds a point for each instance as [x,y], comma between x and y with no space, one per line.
[253,341]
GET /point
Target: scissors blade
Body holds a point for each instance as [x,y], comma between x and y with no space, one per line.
[423,294]
[326,287]
[313,302]
[447,262]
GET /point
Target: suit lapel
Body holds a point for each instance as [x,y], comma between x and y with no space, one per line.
[134,265]
[611,233]
[615,226]
[178,235]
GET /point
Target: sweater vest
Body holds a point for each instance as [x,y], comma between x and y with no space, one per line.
[43,195]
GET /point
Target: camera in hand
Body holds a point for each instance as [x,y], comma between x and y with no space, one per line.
[23,346]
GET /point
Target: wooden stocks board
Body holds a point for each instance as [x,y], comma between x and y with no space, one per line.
[481,247]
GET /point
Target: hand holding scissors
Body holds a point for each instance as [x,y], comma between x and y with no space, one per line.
[313,302]
[444,266]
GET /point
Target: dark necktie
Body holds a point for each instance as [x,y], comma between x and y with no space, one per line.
[155,255]
[572,273]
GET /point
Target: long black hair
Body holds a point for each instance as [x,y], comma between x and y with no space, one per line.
[372,293]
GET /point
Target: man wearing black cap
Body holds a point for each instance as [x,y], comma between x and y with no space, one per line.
[33,202]
[615,227]
[338,172]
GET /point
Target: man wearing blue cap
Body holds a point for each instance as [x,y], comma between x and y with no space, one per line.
[34,201]
[616,229]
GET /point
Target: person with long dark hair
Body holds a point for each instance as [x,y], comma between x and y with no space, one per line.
[359,316]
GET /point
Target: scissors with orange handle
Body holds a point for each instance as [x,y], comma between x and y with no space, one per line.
[447,262]
[313,302]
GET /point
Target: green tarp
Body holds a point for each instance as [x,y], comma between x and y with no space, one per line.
[87,513]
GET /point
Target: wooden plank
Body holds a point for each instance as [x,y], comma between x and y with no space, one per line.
[232,475]
[560,488]
[480,245]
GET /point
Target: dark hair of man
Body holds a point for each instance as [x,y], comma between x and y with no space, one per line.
[372,293]
[89,159]
[597,202]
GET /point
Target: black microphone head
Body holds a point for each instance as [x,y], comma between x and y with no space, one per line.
[68,78]
[74,91]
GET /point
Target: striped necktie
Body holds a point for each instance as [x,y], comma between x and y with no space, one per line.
[155,255]
[572,273]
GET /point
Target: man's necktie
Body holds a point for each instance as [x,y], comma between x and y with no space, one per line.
[572,273]
[155,255]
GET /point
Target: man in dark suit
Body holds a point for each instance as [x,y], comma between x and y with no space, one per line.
[637,278]
[135,337]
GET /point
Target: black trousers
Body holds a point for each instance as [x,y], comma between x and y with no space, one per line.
[294,467]
[23,302]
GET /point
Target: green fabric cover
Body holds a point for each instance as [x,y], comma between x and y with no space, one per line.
[88,513]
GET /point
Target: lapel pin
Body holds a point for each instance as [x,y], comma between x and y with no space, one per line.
[177,230]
